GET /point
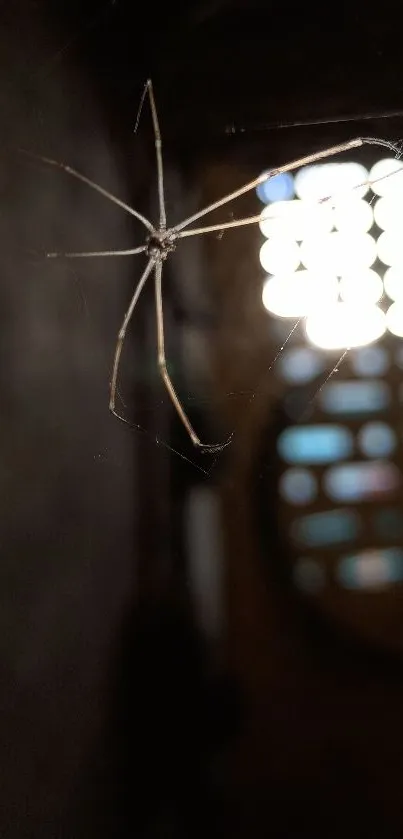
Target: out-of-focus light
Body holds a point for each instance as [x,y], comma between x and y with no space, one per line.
[376,439]
[386,176]
[338,252]
[354,398]
[393,282]
[394,319]
[371,569]
[330,528]
[308,444]
[390,248]
[298,486]
[325,180]
[351,482]
[388,210]
[278,188]
[369,361]
[295,295]
[309,575]
[344,325]
[279,255]
[363,286]
[300,365]
[352,215]
[296,219]
[389,523]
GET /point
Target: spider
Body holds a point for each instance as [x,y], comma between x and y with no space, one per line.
[161,240]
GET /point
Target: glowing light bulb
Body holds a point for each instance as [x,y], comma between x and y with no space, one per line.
[361,286]
[386,176]
[296,219]
[388,211]
[341,253]
[352,214]
[393,282]
[344,325]
[295,295]
[394,319]
[323,180]
[390,250]
[279,255]
[278,188]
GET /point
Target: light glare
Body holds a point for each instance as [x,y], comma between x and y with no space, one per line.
[296,295]
[388,211]
[325,180]
[279,255]
[352,215]
[389,247]
[363,286]
[394,319]
[339,252]
[345,325]
[278,188]
[386,176]
[296,219]
[393,282]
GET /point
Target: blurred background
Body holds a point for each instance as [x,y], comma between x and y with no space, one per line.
[195,644]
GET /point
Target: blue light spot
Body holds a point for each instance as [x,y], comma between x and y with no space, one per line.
[278,188]
[354,397]
[371,569]
[330,528]
[300,365]
[359,481]
[298,486]
[376,439]
[315,444]
[369,361]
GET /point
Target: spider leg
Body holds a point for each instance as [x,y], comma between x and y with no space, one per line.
[209,447]
[121,337]
[92,184]
[158,151]
[239,222]
[288,167]
[96,253]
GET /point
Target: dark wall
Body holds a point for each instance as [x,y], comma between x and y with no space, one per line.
[70,79]
[67,475]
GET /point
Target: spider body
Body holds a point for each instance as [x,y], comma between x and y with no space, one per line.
[160,243]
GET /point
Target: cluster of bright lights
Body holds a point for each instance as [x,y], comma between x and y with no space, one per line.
[319,253]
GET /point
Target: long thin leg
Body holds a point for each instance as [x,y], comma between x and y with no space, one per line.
[239,222]
[158,151]
[93,185]
[122,335]
[242,222]
[288,167]
[210,447]
[96,253]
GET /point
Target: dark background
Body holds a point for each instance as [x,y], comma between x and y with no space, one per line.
[117,718]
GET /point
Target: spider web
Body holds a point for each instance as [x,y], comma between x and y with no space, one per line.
[202,465]
[250,396]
